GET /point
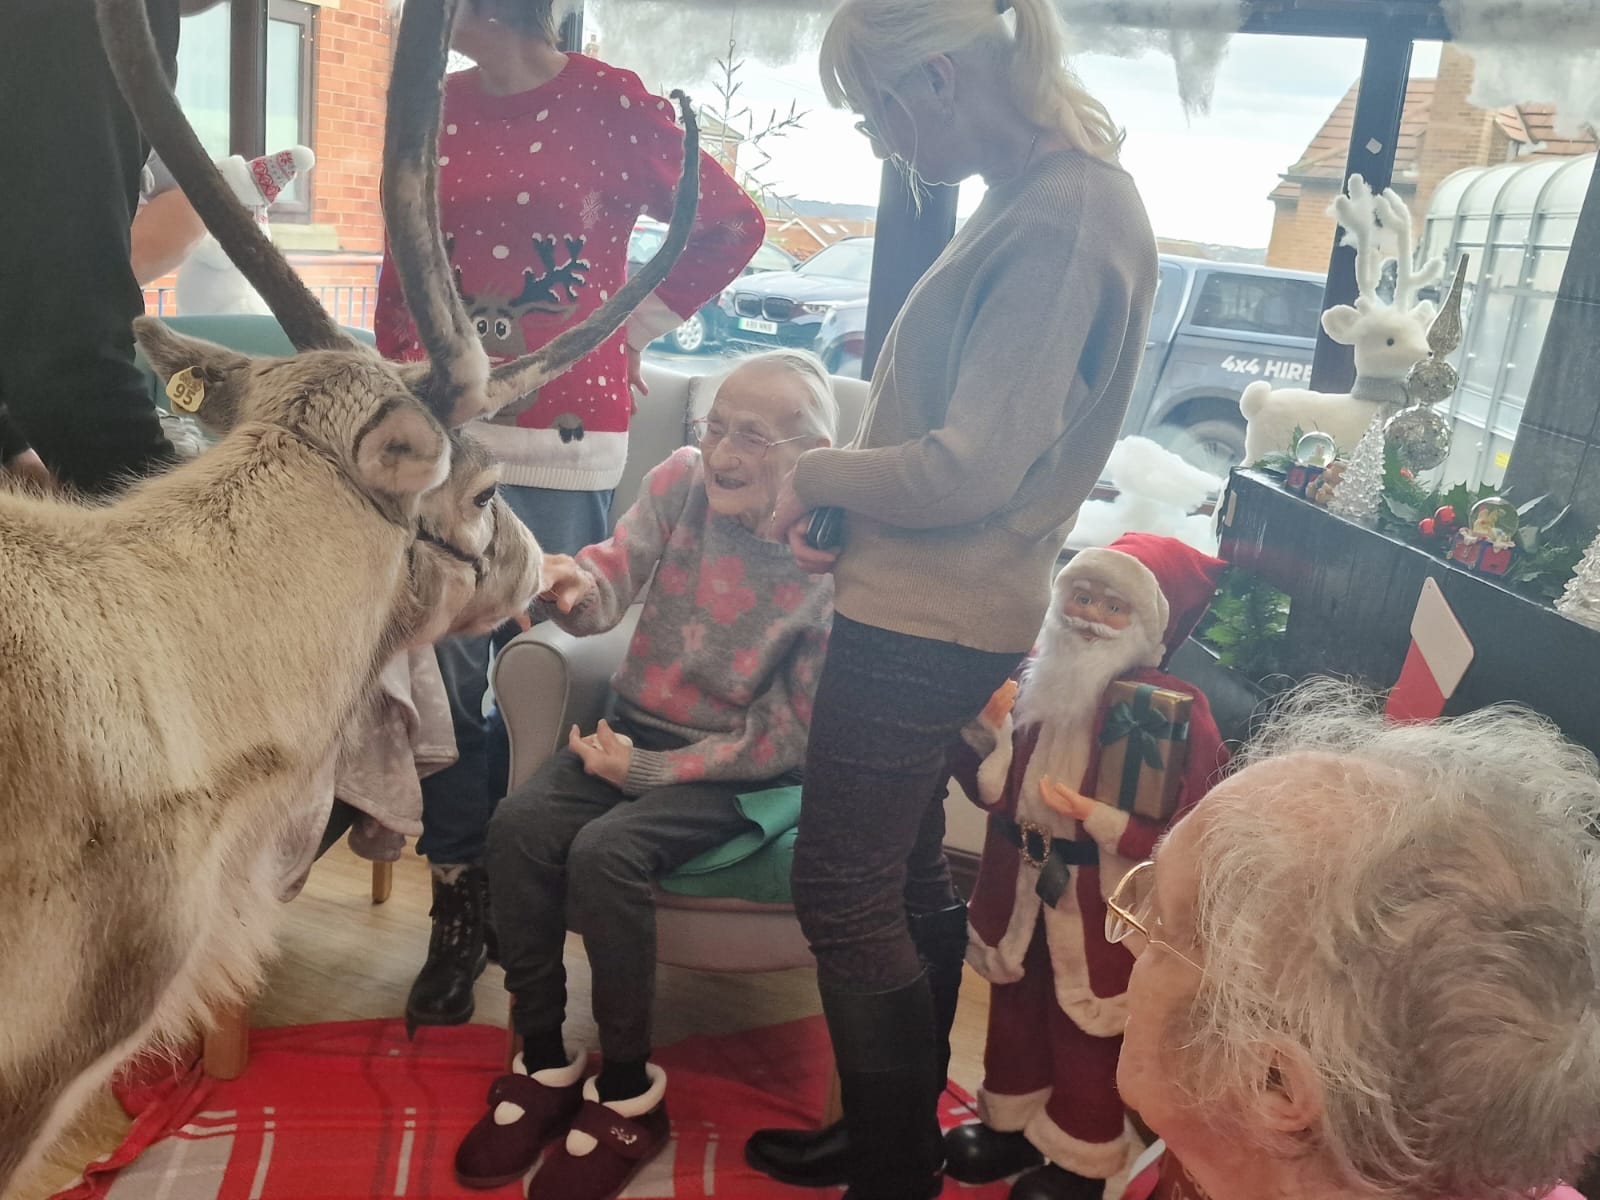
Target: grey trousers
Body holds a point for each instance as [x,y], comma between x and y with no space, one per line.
[567,850]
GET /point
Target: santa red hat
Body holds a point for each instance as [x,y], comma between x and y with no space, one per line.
[1169,583]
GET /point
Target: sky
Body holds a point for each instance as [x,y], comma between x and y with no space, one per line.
[1204,178]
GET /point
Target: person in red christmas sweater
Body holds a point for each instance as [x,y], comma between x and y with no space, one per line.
[1038,914]
[546,160]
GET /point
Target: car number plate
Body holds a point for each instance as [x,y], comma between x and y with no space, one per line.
[751,325]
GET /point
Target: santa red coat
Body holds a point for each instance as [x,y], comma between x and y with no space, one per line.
[1091,975]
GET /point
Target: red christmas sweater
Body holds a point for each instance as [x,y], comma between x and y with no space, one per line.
[538,194]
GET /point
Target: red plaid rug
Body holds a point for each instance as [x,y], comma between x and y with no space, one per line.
[354,1110]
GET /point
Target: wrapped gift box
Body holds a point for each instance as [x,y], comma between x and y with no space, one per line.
[1144,740]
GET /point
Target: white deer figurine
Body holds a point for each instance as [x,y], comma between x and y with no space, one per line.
[1388,338]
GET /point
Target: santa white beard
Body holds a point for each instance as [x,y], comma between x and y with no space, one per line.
[1063,684]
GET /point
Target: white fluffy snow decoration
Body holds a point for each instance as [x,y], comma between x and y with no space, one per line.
[1157,493]
[1532,50]
[678,41]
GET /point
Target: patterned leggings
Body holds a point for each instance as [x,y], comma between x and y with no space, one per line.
[871,841]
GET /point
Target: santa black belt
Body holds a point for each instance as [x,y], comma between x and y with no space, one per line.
[1050,855]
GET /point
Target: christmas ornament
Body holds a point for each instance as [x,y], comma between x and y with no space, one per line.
[1433,379]
[1580,600]
[1313,454]
[1322,489]
[1488,543]
[1420,436]
[1361,486]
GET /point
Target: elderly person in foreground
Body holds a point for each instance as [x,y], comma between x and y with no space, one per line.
[1367,963]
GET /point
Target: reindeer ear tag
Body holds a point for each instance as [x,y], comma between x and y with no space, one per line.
[187,390]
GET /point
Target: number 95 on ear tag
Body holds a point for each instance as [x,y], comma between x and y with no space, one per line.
[187,390]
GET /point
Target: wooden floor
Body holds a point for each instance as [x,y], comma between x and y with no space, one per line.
[343,958]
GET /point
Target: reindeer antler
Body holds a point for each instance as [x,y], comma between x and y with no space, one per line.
[1357,212]
[131,51]
[410,194]
[1408,280]
[532,371]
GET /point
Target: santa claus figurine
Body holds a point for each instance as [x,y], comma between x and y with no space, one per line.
[1049,1105]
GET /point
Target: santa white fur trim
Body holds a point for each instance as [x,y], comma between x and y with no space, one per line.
[1010,1114]
[1131,580]
[1092,1160]
[1098,1016]
[580,1144]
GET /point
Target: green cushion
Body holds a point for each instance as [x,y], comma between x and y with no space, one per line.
[753,865]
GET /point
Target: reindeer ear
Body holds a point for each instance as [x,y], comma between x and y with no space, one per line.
[1423,313]
[216,376]
[1339,322]
[402,451]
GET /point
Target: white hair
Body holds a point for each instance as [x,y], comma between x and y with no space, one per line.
[1412,913]
[872,45]
[821,413]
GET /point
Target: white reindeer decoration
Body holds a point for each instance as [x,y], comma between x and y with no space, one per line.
[1388,338]
[178,664]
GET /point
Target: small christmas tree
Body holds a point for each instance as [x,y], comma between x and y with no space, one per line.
[1581,599]
[1360,489]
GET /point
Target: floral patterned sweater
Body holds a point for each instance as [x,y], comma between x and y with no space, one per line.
[730,642]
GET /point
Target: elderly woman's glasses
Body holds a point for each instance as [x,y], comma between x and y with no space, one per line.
[1130,913]
[744,443]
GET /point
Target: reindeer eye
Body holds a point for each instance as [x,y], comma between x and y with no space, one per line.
[502,329]
[483,327]
[483,498]
[1390,342]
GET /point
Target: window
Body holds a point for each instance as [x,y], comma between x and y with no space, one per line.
[204,76]
[851,260]
[1269,304]
[770,258]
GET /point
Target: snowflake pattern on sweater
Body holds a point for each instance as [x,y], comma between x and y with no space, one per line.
[729,644]
[538,195]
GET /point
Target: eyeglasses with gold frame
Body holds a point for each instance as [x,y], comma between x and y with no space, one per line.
[1128,915]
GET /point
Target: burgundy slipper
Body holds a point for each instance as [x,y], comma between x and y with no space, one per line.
[526,1112]
[607,1146]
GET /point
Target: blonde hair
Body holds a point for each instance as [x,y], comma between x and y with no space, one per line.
[872,45]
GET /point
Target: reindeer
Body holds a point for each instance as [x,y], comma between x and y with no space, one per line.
[497,320]
[178,663]
[1388,338]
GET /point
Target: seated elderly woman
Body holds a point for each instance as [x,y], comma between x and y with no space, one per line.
[1367,963]
[713,701]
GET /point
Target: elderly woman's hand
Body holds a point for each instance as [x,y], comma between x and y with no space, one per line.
[606,754]
[564,581]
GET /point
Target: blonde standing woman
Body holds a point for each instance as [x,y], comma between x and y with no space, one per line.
[999,394]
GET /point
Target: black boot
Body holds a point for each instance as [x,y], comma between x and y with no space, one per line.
[491,939]
[977,1154]
[1051,1182]
[442,993]
[820,1157]
[888,1058]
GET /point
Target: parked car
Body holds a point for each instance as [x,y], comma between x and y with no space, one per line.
[706,328]
[1215,327]
[787,308]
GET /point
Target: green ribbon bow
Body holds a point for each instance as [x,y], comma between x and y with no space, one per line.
[1145,730]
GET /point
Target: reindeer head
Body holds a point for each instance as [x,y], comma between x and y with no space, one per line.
[474,565]
[1388,338]
[553,289]
[383,423]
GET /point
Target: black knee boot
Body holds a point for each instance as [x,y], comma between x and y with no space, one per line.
[884,1045]
[820,1157]
[442,992]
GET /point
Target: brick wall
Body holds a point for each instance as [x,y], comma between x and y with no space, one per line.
[352,73]
[1459,135]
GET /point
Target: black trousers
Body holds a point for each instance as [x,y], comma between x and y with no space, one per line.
[871,843]
[73,156]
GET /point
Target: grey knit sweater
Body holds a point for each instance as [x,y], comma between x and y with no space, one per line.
[1000,392]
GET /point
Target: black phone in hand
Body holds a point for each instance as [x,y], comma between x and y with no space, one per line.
[826,529]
